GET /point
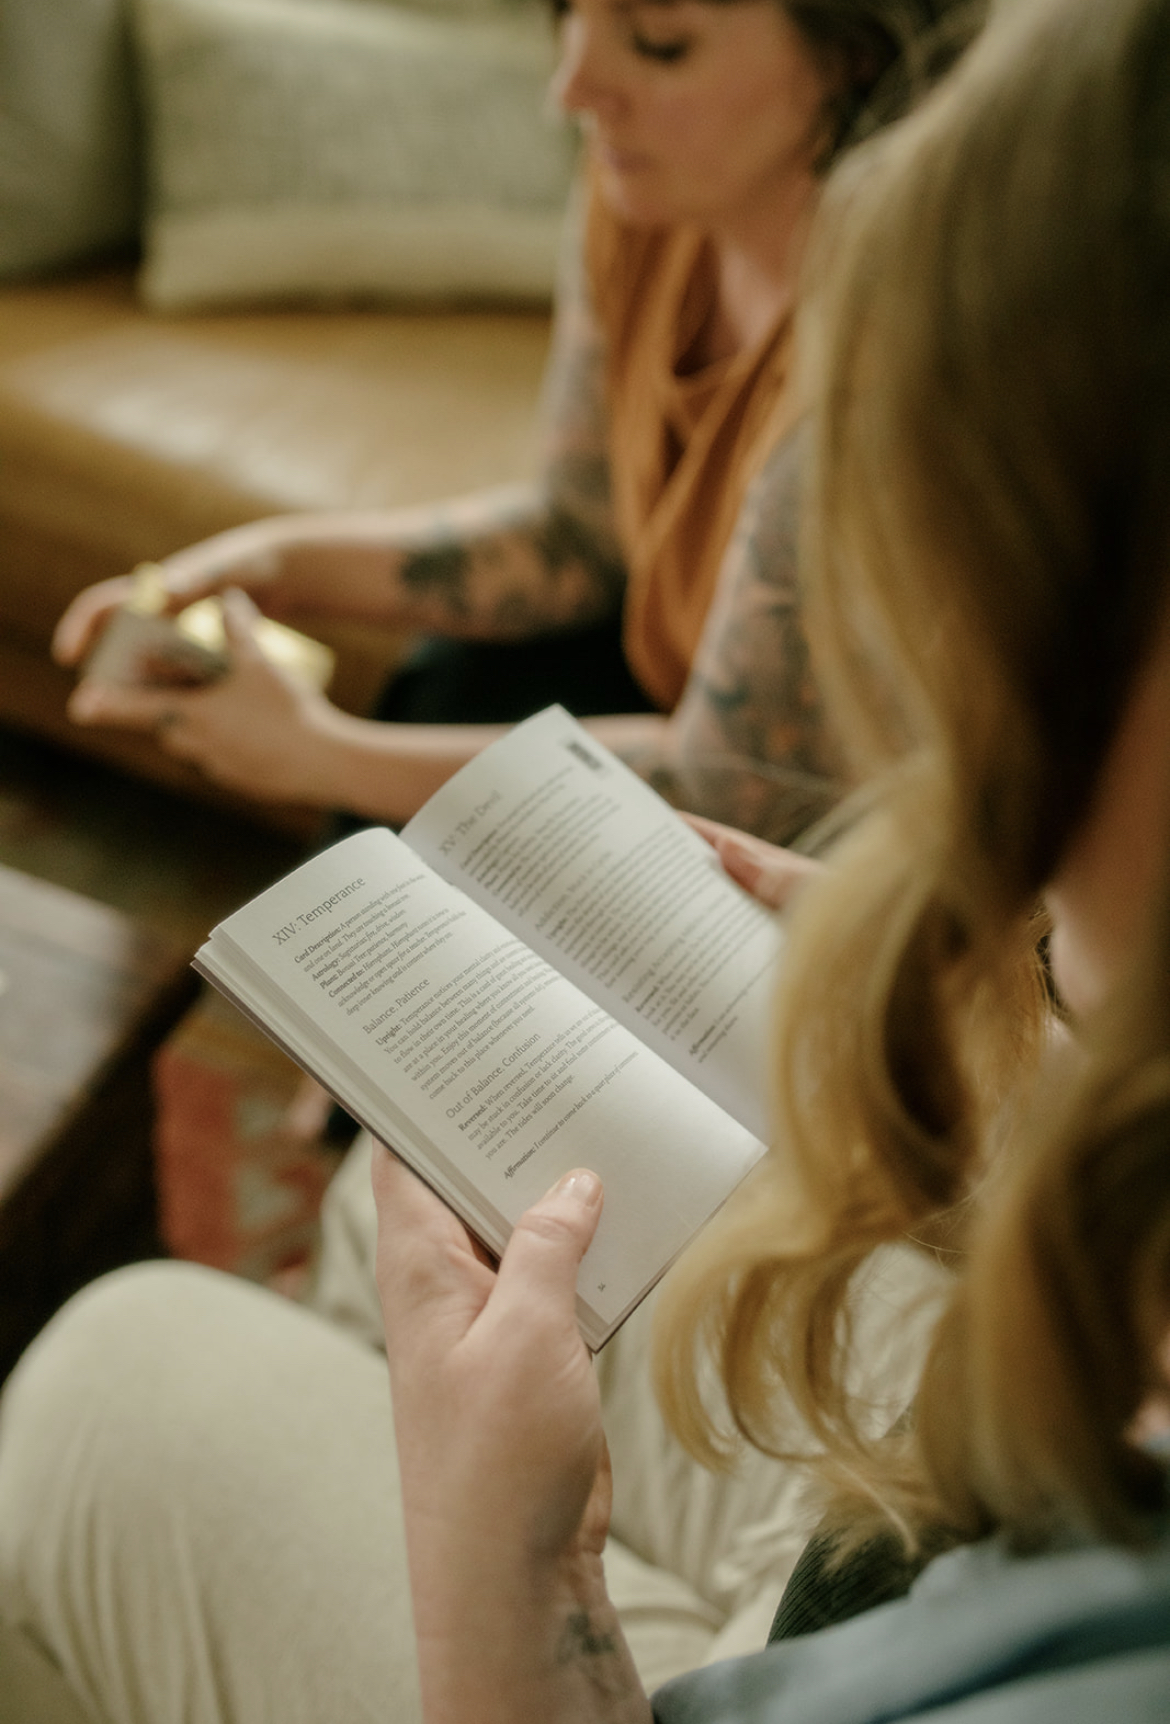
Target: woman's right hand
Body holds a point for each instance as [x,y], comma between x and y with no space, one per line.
[505,1475]
[250,557]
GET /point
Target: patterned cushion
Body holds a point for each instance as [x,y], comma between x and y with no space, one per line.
[341,148]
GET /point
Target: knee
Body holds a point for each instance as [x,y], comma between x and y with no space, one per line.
[182,1457]
[84,1422]
[116,1389]
[108,1344]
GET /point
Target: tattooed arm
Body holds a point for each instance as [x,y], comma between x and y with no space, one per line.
[504,564]
[748,745]
[527,560]
[507,564]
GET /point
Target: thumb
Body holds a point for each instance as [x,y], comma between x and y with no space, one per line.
[547,1244]
[240,617]
[744,867]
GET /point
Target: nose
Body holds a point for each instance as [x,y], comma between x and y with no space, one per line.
[584,82]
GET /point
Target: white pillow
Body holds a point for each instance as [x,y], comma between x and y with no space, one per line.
[339,148]
[68,133]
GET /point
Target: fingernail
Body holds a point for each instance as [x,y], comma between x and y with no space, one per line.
[739,861]
[581,1185]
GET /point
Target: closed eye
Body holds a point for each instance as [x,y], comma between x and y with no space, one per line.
[664,52]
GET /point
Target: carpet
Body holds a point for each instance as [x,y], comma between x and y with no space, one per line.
[241,1156]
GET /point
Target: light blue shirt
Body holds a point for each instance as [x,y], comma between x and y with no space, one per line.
[1075,1636]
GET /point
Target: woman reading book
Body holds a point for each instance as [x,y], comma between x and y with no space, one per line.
[1005,553]
[645,576]
[184,1530]
[999,556]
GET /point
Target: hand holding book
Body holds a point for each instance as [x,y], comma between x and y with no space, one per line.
[549,969]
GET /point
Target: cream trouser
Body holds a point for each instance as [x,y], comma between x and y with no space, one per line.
[200,1517]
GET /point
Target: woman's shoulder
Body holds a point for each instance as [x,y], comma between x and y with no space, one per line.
[1066,1637]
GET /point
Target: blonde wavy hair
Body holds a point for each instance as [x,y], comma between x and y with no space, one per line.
[987,564]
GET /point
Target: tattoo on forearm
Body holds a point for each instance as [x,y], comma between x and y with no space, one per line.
[550,573]
[527,564]
[438,572]
[563,541]
[580,1639]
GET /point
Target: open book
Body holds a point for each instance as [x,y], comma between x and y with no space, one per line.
[548,969]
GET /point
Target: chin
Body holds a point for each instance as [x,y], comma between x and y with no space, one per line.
[638,210]
[633,198]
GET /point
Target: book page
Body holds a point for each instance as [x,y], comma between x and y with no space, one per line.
[574,853]
[461,1047]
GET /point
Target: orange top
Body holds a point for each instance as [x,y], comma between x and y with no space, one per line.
[683,446]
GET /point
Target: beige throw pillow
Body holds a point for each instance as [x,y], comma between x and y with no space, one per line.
[346,149]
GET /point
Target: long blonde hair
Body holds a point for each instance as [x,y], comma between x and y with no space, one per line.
[987,560]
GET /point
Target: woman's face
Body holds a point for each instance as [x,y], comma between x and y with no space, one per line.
[694,111]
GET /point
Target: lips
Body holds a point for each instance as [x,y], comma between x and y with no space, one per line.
[618,160]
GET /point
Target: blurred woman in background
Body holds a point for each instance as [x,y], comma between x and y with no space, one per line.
[644,576]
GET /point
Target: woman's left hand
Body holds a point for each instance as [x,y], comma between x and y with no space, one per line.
[765,870]
[505,1474]
[257,730]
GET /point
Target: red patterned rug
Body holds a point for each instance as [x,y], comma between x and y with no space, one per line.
[241,1162]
